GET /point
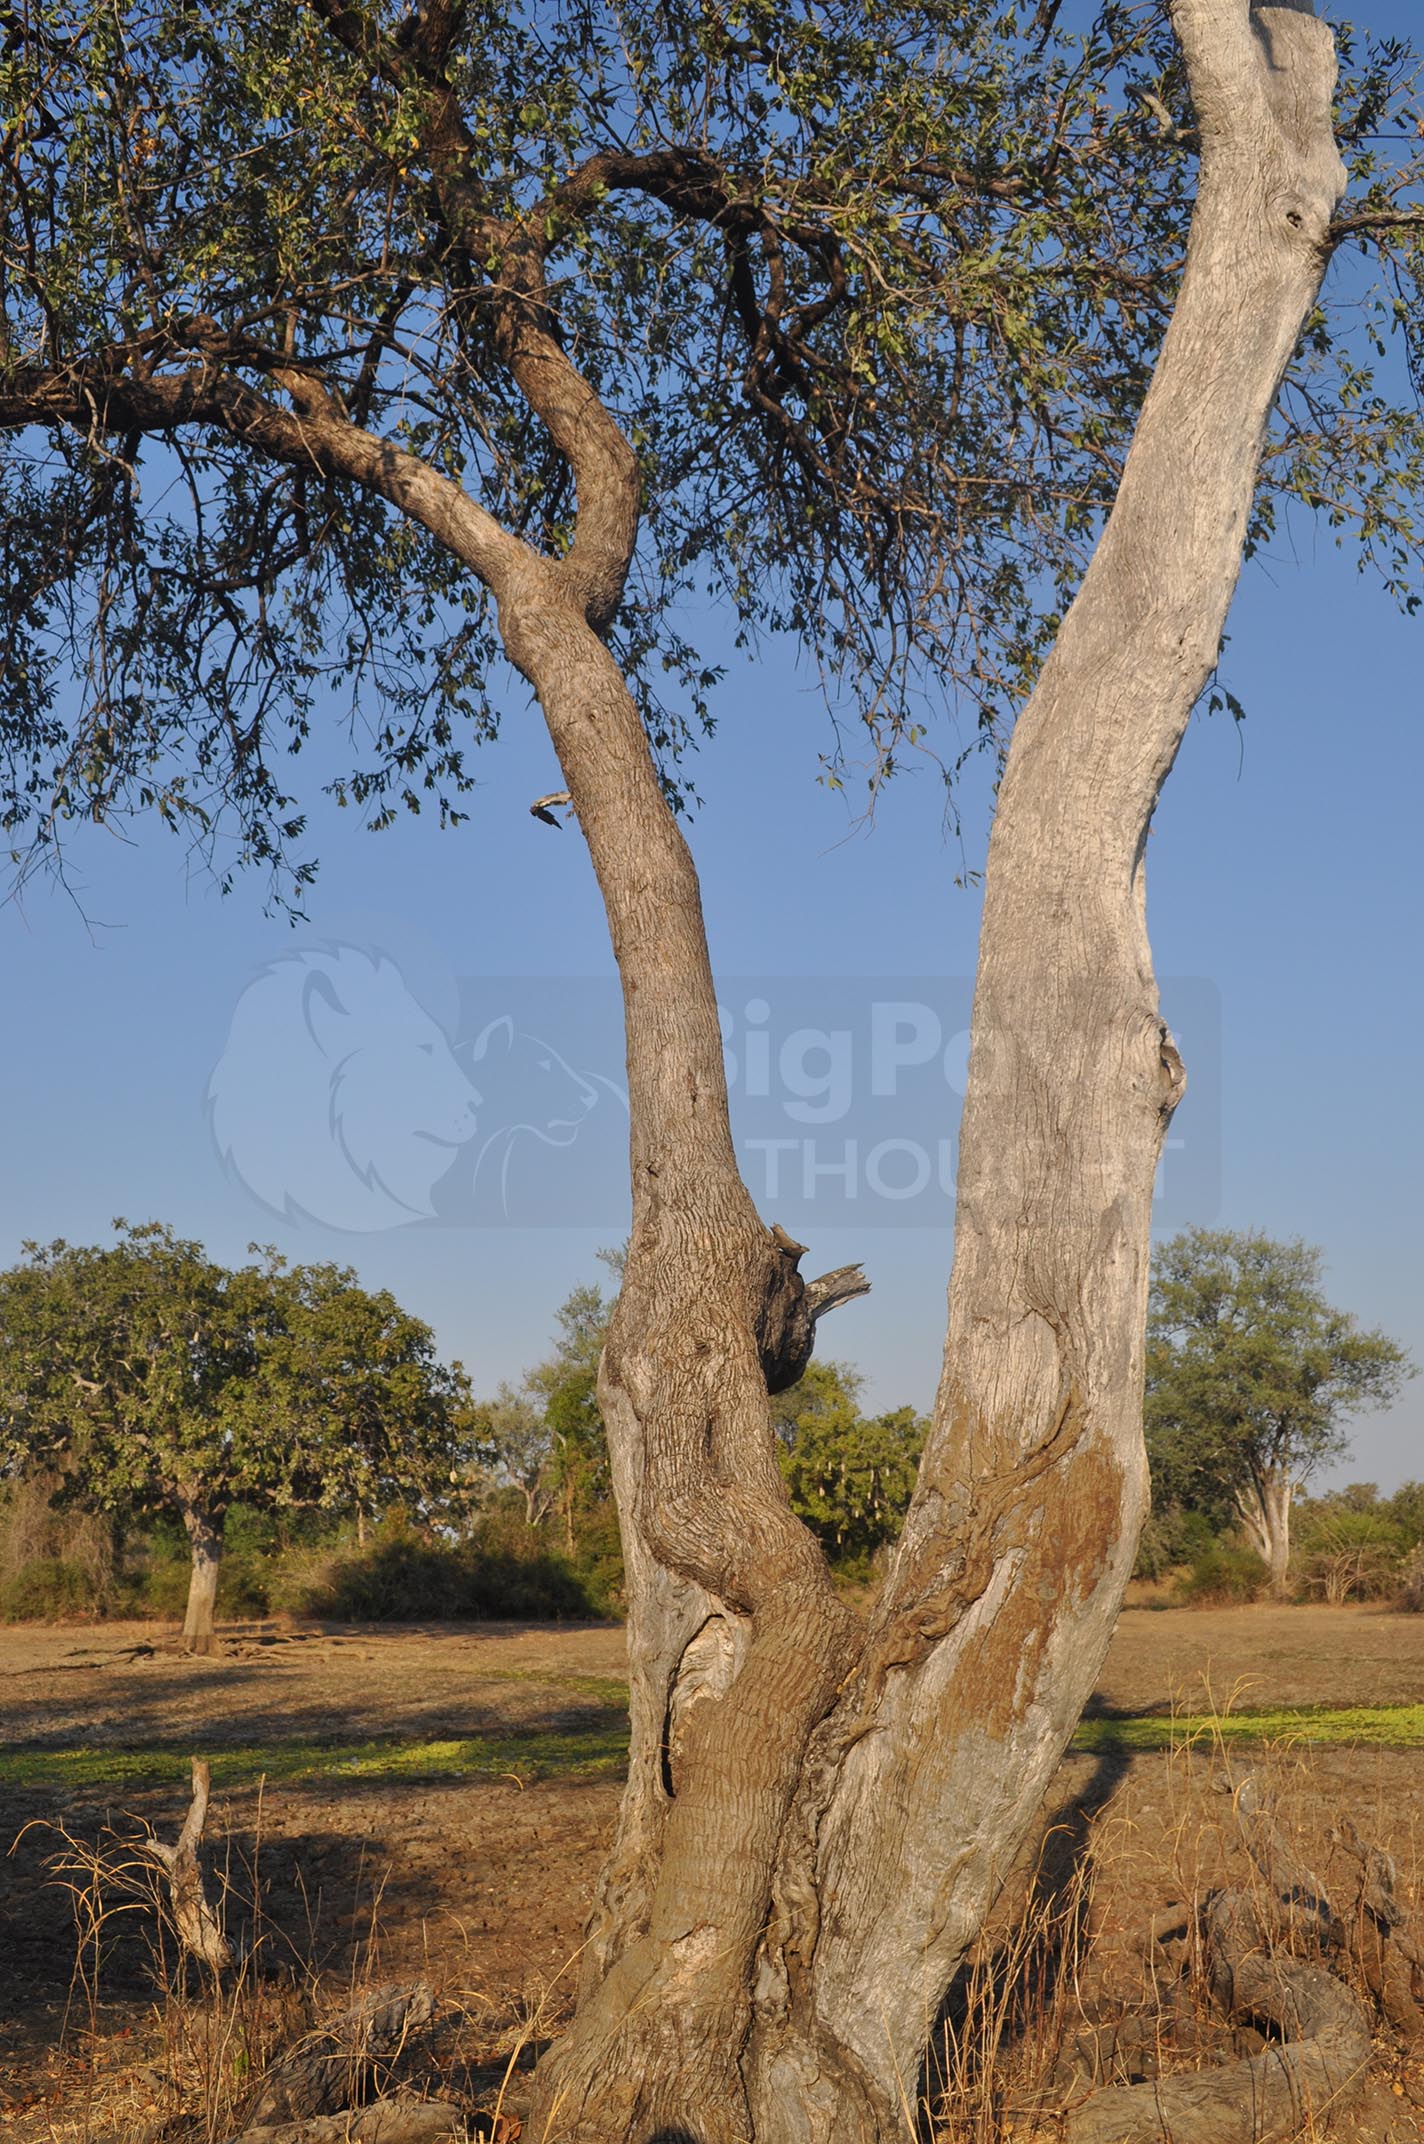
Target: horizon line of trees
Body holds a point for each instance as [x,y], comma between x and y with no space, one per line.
[277,1432]
[157,1408]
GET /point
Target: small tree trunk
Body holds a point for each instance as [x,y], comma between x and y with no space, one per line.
[1265,1514]
[204,1529]
[199,1931]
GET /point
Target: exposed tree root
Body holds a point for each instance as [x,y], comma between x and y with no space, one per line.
[339,2067]
[1317,2064]
[1390,1953]
[1267,2098]
[384,2121]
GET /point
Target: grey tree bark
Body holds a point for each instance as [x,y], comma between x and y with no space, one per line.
[205,1534]
[896,1773]
[1265,1513]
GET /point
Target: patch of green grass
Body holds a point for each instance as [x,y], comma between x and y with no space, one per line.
[598,1749]
[1383,1726]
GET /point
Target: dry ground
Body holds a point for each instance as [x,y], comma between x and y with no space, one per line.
[485,1884]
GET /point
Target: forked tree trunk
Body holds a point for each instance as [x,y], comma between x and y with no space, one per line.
[1265,1514]
[204,1529]
[817,1816]
[817,1819]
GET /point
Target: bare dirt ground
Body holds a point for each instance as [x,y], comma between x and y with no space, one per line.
[484,1884]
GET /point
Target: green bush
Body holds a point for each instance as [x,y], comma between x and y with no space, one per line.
[505,1570]
[48,1590]
[245,1585]
[158,1587]
[404,1579]
[1223,1575]
[1172,1538]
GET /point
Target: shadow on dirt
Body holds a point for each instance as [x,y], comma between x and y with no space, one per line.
[1020,1978]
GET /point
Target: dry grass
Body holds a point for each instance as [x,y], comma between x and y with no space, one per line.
[1091,1972]
[1066,1992]
[477,1889]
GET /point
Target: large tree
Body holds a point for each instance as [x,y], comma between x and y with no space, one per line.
[1252,1376]
[148,1377]
[475,331]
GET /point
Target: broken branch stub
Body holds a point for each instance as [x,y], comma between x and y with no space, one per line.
[792,1307]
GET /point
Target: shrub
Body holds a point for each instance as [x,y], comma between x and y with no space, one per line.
[310,1566]
[55,1561]
[48,1589]
[1223,1574]
[1345,1552]
[1172,1538]
[402,1576]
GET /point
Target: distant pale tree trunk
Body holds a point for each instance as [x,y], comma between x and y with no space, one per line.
[1265,1514]
[204,1528]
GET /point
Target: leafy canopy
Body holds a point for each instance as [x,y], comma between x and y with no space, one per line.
[146,1374]
[1251,1374]
[871,286]
[850,1477]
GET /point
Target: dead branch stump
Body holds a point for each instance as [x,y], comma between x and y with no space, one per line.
[199,1931]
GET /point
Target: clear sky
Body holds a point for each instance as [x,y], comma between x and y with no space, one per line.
[449,1004]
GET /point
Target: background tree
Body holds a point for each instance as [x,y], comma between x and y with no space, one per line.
[850,1477]
[151,1379]
[849,316]
[1252,1377]
[564,1388]
[520,1445]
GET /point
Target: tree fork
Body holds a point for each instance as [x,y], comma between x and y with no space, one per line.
[814,1826]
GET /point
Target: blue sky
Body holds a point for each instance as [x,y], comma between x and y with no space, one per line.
[1284,903]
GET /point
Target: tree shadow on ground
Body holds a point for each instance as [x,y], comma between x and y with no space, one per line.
[1004,1989]
[82,1912]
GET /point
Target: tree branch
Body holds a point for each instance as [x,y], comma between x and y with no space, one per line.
[315,436]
